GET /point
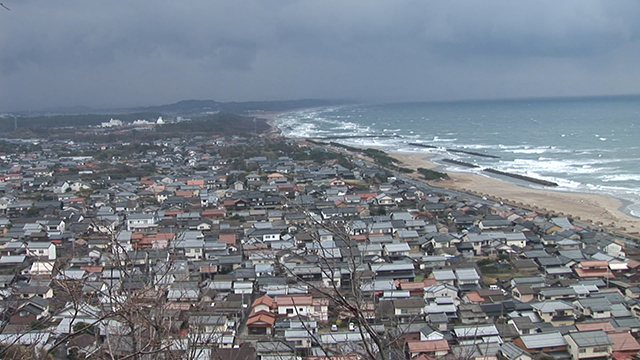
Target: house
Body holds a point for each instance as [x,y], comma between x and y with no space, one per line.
[6,280]
[42,250]
[73,314]
[437,291]
[208,323]
[261,323]
[556,293]
[470,314]
[444,276]
[408,310]
[548,342]
[467,279]
[191,244]
[265,234]
[141,222]
[54,226]
[384,200]
[300,338]
[398,270]
[27,291]
[397,249]
[430,348]
[558,313]
[483,333]
[510,351]
[594,307]
[624,342]
[61,187]
[297,306]
[493,222]
[593,269]
[589,345]
[523,325]
[443,241]
[523,293]
[29,311]
[525,265]
[273,349]
[41,269]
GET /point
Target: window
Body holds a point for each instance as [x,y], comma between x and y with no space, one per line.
[289,311]
[600,349]
[582,351]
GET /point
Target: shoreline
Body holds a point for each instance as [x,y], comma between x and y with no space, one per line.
[591,209]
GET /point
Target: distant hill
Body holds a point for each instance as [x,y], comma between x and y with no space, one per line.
[59,121]
[80,116]
[188,107]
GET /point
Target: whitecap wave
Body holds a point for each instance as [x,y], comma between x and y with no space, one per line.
[620,177]
[582,155]
[438,139]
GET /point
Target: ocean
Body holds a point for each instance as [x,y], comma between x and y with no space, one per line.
[587,145]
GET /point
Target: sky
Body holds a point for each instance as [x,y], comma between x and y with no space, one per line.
[104,54]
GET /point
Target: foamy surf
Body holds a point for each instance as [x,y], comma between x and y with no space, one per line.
[583,146]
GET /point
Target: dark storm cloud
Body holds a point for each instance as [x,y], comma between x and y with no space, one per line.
[105,53]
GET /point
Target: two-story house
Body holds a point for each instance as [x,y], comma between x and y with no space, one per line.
[589,345]
[558,313]
[142,222]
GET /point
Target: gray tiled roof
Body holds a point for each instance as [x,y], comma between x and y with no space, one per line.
[543,340]
[590,338]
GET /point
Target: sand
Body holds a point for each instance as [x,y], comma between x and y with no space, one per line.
[589,209]
[593,210]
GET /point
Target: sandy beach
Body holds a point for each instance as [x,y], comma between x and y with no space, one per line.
[586,208]
[590,209]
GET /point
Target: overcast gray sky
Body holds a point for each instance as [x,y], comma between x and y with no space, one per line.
[100,53]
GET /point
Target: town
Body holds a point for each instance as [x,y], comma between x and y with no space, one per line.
[252,246]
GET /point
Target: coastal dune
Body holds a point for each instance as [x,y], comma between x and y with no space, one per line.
[595,210]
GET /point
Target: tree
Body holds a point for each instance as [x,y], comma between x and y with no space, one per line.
[126,310]
[348,284]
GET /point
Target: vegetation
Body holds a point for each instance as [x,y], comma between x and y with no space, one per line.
[16,148]
[273,150]
[121,171]
[492,266]
[217,124]
[379,157]
[428,174]
[84,328]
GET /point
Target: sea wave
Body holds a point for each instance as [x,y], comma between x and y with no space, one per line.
[620,178]
[582,154]
[550,166]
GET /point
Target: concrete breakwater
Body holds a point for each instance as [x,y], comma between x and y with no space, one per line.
[473,153]
[423,146]
[521,177]
[460,163]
